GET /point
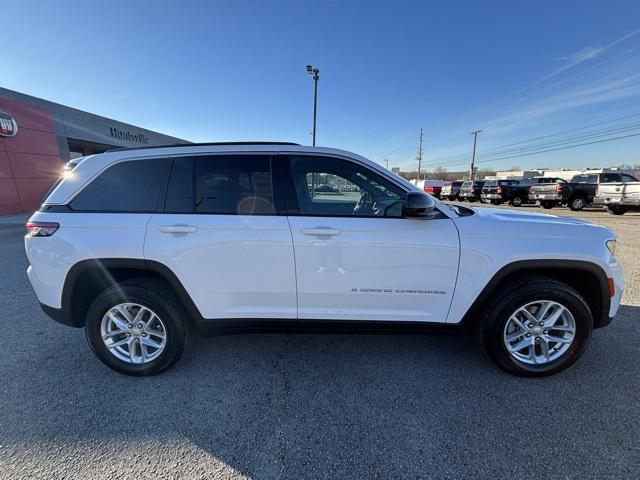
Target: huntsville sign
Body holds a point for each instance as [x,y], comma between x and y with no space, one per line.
[132,137]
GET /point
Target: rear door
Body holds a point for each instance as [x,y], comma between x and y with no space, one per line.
[222,231]
[356,257]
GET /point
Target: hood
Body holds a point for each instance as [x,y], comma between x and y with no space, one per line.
[508,223]
[499,214]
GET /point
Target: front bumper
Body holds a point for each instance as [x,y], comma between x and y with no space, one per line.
[60,315]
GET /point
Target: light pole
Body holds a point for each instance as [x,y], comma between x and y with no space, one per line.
[314,72]
[473,157]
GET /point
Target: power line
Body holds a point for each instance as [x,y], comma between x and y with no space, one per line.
[492,150]
[549,150]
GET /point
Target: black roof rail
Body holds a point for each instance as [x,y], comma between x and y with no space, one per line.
[203,144]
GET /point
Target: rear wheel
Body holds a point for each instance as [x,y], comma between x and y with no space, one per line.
[547,204]
[536,327]
[577,203]
[137,327]
[516,201]
[616,210]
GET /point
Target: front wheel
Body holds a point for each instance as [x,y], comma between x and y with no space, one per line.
[536,327]
[137,327]
[616,210]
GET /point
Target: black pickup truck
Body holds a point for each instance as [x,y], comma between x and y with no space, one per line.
[515,192]
[471,190]
[577,193]
[499,191]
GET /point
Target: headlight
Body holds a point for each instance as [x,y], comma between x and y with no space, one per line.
[611,245]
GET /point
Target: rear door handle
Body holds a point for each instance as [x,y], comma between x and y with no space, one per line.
[321,231]
[178,228]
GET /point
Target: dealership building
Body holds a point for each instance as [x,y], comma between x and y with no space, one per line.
[37,137]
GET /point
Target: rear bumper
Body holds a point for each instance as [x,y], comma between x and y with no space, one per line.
[623,202]
[491,196]
[546,197]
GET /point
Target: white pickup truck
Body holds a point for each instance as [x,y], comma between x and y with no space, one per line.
[619,197]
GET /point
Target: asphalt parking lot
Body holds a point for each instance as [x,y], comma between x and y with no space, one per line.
[315,406]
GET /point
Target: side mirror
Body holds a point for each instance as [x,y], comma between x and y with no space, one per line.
[418,204]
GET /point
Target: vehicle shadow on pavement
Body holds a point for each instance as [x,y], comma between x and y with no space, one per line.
[320,406]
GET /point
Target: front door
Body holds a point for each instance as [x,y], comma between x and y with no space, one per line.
[222,234]
[356,257]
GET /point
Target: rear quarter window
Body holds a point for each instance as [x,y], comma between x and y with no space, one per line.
[130,186]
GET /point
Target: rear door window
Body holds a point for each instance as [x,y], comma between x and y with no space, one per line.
[609,177]
[585,179]
[221,184]
[132,186]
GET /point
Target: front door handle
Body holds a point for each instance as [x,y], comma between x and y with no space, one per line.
[178,228]
[321,231]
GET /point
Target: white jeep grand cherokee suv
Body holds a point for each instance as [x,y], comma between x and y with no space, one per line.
[142,246]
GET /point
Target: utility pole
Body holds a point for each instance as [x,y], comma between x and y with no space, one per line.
[314,72]
[420,155]
[473,157]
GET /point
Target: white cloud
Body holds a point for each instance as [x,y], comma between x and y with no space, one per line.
[583,54]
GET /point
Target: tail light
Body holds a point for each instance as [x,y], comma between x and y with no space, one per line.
[559,188]
[498,190]
[41,229]
[428,188]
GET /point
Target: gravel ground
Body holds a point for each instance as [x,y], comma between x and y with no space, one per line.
[314,406]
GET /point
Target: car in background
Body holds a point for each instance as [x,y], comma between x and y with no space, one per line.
[513,192]
[471,191]
[619,197]
[433,187]
[326,189]
[451,190]
[578,192]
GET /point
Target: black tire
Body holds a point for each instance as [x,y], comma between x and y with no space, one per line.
[577,203]
[155,295]
[471,199]
[546,204]
[516,294]
[616,210]
[516,201]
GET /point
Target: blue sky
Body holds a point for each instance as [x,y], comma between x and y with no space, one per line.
[235,70]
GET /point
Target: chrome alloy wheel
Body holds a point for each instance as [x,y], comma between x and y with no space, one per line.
[539,332]
[133,333]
